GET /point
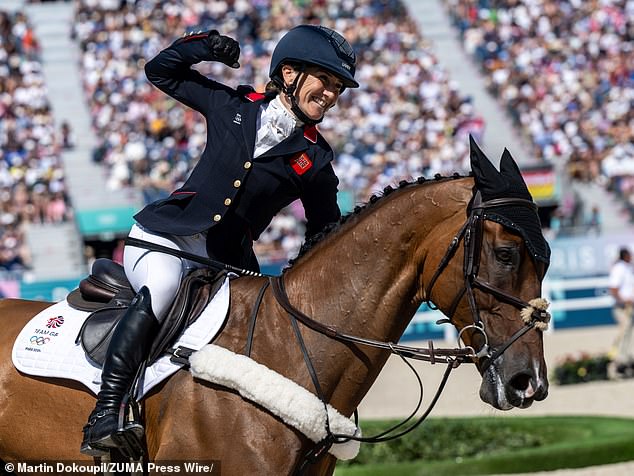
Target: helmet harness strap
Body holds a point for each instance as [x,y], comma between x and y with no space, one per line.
[289,92]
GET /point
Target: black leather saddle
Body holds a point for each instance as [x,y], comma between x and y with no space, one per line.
[107,294]
[106,286]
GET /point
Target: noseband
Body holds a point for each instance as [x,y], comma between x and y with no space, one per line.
[533,313]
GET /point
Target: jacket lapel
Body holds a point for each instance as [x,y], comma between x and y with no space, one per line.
[249,112]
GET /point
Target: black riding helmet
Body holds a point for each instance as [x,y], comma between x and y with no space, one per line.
[313,45]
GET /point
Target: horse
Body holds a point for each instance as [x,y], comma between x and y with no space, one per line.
[366,277]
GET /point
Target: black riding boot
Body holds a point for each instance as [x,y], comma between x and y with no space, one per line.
[129,347]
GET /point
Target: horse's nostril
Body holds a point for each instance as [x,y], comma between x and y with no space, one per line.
[524,388]
[521,382]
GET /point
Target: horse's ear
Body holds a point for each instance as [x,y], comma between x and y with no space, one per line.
[476,154]
[510,170]
[487,178]
[508,166]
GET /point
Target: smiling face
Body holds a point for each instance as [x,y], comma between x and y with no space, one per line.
[317,90]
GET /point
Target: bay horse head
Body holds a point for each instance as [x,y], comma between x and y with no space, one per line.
[496,308]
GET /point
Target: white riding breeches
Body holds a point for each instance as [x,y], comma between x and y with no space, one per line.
[160,272]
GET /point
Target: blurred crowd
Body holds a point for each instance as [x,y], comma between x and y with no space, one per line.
[407,119]
[32,186]
[564,69]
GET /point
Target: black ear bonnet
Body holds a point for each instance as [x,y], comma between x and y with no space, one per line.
[508,183]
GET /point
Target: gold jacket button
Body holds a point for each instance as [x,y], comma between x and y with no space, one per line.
[237,184]
[247,165]
[227,201]
[217,217]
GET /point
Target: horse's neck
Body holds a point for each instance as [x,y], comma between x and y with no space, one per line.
[365,280]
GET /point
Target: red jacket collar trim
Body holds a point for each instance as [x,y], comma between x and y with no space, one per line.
[254,96]
[310,133]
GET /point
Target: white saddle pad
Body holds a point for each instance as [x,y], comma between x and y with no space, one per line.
[46,346]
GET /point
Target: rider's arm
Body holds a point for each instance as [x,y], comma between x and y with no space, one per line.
[171,71]
[320,201]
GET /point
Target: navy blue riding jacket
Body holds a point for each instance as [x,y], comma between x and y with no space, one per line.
[229,194]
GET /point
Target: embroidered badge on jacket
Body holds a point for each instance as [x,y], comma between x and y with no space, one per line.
[301,164]
[237,119]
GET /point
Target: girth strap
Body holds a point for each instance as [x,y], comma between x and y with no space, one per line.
[254,316]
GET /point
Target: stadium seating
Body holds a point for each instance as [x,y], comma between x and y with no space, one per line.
[564,71]
[32,187]
[407,119]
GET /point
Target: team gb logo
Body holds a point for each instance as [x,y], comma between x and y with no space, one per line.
[54,322]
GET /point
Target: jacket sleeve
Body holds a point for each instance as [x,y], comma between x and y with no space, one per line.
[320,201]
[171,72]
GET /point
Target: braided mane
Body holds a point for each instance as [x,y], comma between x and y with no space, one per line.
[333,227]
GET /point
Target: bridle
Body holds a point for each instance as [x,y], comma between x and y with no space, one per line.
[533,313]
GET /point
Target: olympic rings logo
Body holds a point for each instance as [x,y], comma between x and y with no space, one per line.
[39,340]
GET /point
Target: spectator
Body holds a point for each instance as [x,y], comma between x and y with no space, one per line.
[67,138]
[13,253]
[56,209]
[90,256]
[117,253]
[621,287]
[564,69]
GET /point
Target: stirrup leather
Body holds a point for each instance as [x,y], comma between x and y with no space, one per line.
[130,431]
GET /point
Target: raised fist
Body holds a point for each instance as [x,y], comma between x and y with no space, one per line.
[223,49]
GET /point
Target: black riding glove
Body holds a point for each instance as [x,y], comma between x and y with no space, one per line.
[223,48]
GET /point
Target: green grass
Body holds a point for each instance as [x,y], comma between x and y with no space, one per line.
[495,445]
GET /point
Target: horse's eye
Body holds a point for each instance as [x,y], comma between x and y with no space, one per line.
[505,255]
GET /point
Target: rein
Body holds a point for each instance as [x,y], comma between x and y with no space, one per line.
[452,357]
[448,356]
[213,264]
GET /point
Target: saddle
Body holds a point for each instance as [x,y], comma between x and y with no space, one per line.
[107,294]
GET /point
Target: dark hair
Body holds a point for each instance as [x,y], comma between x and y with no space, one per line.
[271,87]
[624,253]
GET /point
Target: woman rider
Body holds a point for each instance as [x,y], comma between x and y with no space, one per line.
[263,152]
